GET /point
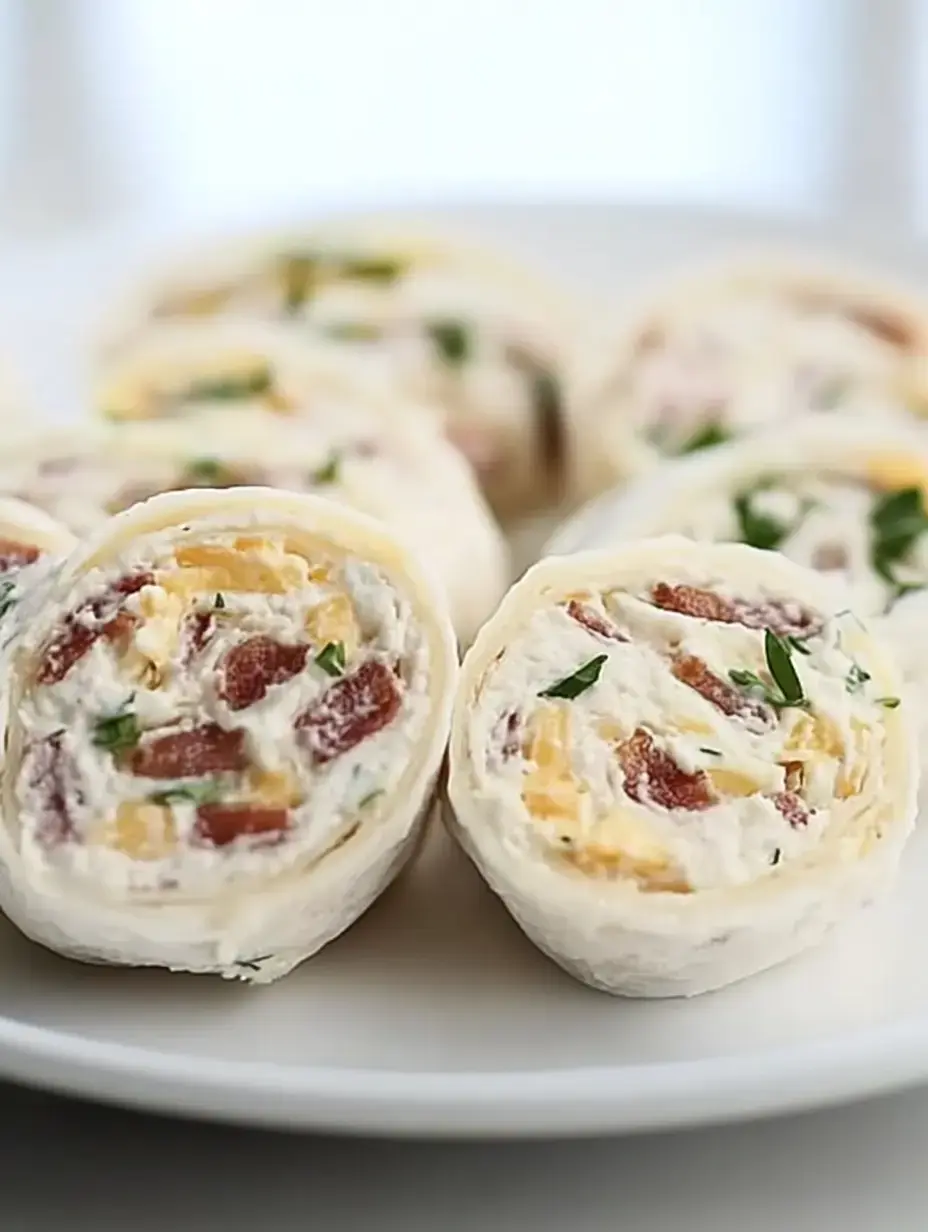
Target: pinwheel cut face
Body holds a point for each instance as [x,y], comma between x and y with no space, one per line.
[865,534]
[217,705]
[737,361]
[678,737]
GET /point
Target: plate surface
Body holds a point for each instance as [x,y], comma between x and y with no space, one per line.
[433,1014]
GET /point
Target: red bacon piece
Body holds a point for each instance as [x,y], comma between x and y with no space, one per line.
[53,774]
[782,618]
[100,617]
[221,824]
[190,753]
[252,667]
[199,628]
[354,708]
[792,807]
[14,555]
[653,777]
[594,621]
[690,670]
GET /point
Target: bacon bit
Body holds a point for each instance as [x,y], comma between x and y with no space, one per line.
[794,775]
[354,708]
[252,667]
[100,617]
[653,777]
[892,330]
[199,628]
[707,605]
[221,824]
[14,555]
[53,773]
[592,620]
[792,807]
[190,753]
[690,670]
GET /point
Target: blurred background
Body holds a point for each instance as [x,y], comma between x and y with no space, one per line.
[197,111]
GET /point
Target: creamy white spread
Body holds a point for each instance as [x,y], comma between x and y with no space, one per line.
[743,357]
[305,673]
[622,734]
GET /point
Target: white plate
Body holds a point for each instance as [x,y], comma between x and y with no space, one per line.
[433,1014]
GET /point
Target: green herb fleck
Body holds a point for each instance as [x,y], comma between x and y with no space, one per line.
[370,269]
[890,703]
[352,331]
[707,436]
[758,530]
[897,519]
[7,597]
[331,658]
[230,388]
[253,964]
[328,471]
[117,732]
[800,644]
[577,682]
[711,752]
[196,793]
[297,274]
[451,340]
[370,797]
[219,601]
[775,858]
[208,472]
[856,678]
[788,687]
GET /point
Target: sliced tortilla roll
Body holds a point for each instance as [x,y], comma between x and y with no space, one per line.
[404,473]
[223,725]
[678,763]
[849,499]
[450,325]
[738,345]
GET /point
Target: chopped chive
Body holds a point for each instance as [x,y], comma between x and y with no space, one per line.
[711,752]
[800,644]
[758,530]
[775,858]
[890,703]
[451,340]
[7,597]
[219,601]
[370,269]
[897,520]
[195,793]
[328,471]
[331,658]
[856,678]
[117,732]
[370,797]
[780,664]
[577,682]
[230,388]
[707,436]
[352,331]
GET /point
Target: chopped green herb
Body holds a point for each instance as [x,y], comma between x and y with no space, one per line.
[706,436]
[230,388]
[219,601]
[370,269]
[253,964]
[328,471]
[758,530]
[297,273]
[800,644]
[711,752]
[548,406]
[788,687]
[196,793]
[117,732]
[451,340]
[370,797]
[577,682]
[775,858]
[889,702]
[331,658]
[897,519]
[856,678]
[7,597]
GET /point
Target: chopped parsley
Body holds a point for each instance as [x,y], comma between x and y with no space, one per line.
[856,678]
[890,703]
[207,472]
[775,858]
[897,520]
[195,793]
[253,964]
[230,388]
[758,530]
[219,601]
[577,682]
[297,273]
[300,272]
[451,339]
[328,471]
[706,436]
[7,597]
[117,732]
[370,269]
[370,797]
[711,752]
[331,658]
[787,687]
[800,644]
